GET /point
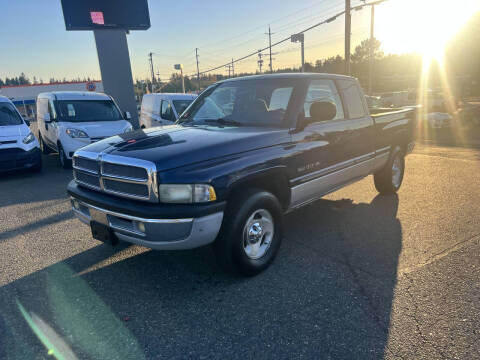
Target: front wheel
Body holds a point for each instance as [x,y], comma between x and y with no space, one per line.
[251,233]
[44,148]
[390,178]
[64,161]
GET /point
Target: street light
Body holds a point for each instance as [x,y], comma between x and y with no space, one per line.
[301,39]
[180,67]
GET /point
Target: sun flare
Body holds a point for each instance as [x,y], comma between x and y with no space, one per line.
[422,26]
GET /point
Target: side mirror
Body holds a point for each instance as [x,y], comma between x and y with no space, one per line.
[322,111]
[128,116]
[26,121]
[46,117]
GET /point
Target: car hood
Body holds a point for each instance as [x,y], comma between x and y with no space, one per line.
[98,128]
[13,131]
[175,146]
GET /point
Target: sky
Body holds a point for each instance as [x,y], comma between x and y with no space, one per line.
[34,39]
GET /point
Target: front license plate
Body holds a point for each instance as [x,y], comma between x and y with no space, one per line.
[102,233]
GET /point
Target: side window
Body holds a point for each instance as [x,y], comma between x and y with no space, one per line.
[353,98]
[42,107]
[323,90]
[51,110]
[166,111]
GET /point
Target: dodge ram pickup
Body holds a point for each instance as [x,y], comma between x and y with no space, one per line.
[244,153]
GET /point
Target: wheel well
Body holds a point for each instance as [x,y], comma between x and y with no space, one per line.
[276,183]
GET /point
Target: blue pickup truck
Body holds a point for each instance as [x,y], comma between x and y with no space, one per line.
[244,153]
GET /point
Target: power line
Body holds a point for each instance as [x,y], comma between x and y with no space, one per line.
[326,21]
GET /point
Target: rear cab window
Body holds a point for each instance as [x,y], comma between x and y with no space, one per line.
[353,98]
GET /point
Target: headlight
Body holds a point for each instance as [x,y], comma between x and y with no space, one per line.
[128,129]
[29,138]
[75,133]
[186,193]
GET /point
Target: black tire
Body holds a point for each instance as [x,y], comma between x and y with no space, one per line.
[45,149]
[64,162]
[389,179]
[229,247]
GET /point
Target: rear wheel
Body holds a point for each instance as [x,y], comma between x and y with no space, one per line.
[390,178]
[64,161]
[251,233]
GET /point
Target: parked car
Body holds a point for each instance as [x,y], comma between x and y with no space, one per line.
[163,109]
[19,149]
[69,120]
[247,151]
[438,120]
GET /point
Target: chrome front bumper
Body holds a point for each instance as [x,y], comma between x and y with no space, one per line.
[158,234]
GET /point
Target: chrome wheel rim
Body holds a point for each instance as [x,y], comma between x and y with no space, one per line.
[258,234]
[397,171]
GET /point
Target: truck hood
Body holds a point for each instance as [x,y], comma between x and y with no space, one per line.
[13,132]
[175,146]
[99,128]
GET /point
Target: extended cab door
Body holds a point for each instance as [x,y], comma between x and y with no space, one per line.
[330,154]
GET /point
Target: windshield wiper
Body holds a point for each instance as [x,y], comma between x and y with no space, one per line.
[223,121]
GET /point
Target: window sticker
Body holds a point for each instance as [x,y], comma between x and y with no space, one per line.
[71,110]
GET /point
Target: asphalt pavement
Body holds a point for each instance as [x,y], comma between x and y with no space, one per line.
[358,276]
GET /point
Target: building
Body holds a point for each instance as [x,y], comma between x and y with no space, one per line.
[24,96]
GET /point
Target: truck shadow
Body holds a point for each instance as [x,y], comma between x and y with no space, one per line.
[328,295]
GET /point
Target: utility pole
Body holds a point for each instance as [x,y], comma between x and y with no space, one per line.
[233,69]
[152,73]
[180,67]
[229,66]
[372,50]
[348,24]
[260,60]
[301,39]
[198,70]
[270,47]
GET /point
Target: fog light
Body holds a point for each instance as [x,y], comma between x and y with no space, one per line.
[141,227]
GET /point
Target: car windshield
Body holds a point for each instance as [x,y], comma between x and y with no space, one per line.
[243,102]
[181,105]
[9,115]
[87,110]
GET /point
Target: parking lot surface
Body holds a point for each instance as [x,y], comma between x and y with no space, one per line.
[358,276]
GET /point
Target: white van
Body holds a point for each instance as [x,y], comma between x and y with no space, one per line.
[163,109]
[69,120]
[19,149]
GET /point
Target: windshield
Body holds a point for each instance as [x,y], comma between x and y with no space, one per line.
[9,115]
[245,102]
[181,105]
[87,110]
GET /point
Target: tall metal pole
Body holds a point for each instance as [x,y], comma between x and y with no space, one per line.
[372,51]
[233,69]
[348,24]
[183,80]
[270,46]
[198,69]
[303,54]
[152,73]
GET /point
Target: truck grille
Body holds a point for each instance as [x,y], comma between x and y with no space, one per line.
[116,175]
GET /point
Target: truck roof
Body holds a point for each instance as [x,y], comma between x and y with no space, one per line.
[4,99]
[172,96]
[74,95]
[290,76]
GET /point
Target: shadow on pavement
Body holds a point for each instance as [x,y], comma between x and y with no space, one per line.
[326,297]
[23,186]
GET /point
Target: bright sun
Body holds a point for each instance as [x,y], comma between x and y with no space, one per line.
[422,26]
